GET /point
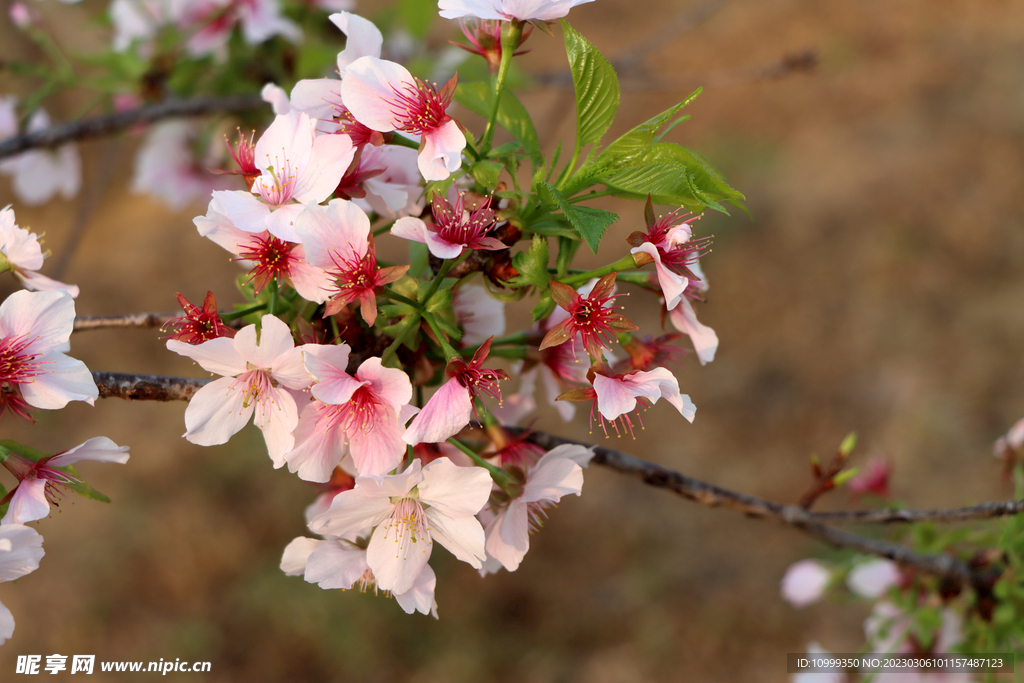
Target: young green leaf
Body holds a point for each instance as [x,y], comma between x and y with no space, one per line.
[596,85]
[589,222]
[533,265]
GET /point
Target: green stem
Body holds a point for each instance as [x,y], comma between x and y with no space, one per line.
[395,296]
[445,267]
[499,475]
[448,350]
[272,309]
[518,353]
[402,141]
[383,229]
[507,340]
[510,35]
[228,317]
[624,263]
[410,324]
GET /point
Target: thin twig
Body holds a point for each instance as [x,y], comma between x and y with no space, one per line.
[84,323]
[99,126]
[158,388]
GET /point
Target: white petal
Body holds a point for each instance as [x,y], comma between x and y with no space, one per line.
[219,356]
[614,397]
[551,478]
[508,536]
[65,379]
[420,598]
[26,549]
[351,512]
[28,504]
[462,536]
[396,556]
[216,413]
[336,564]
[276,97]
[242,208]
[277,416]
[455,491]
[45,317]
[275,340]
[362,38]
[6,624]
[99,449]
[296,554]
[705,340]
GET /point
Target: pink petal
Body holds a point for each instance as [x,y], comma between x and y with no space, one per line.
[318,449]
[352,512]
[40,283]
[339,230]
[444,416]
[378,450]
[389,384]
[508,537]
[410,228]
[442,151]
[613,397]
[326,362]
[66,379]
[368,91]
[45,317]
[28,503]
[362,39]
[440,247]
[705,341]
[331,156]
[321,99]
[243,209]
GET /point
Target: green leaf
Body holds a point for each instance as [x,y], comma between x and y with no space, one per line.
[533,265]
[554,228]
[631,146]
[589,222]
[597,87]
[512,115]
[672,174]
[486,173]
[440,301]
[848,444]
[544,307]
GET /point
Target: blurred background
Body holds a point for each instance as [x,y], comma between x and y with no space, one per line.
[877,287]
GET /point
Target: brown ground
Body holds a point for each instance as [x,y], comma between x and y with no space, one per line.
[876,289]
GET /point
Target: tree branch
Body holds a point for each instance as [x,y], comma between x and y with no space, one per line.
[158,388]
[99,126]
[84,323]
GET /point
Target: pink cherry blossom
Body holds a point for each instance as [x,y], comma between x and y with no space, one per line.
[589,317]
[392,181]
[558,473]
[363,412]
[40,175]
[704,339]
[523,10]
[254,378]
[890,629]
[167,169]
[337,563]
[37,484]
[259,20]
[454,229]
[451,406]
[481,315]
[21,548]
[384,96]
[337,240]
[617,396]
[23,255]
[805,582]
[874,578]
[34,330]
[297,166]
[410,511]
[268,257]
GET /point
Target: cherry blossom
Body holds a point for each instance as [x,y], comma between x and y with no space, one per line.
[385,97]
[484,36]
[873,479]
[454,229]
[297,167]
[21,548]
[21,253]
[589,316]
[523,10]
[874,578]
[391,181]
[34,330]
[166,167]
[363,412]
[481,315]
[668,243]
[451,406]
[37,484]
[39,175]
[199,324]
[337,563]
[337,240]
[410,510]
[558,473]
[254,378]
[268,258]
[804,583]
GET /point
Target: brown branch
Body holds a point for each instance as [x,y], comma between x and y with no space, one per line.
[84,323]
[99,126]
[158,388]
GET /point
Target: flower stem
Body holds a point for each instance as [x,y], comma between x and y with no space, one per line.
[448,350]
[510,35]
[410,324]
[228,317]
[403,141]
[445,267]
[624,263]
[499,475]
[395,296]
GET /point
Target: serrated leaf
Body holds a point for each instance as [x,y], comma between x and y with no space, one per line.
[632,145]
[596,85]
[532,265]
[440,301]
[512,115]
[544,307]
[486,173]
[589,222]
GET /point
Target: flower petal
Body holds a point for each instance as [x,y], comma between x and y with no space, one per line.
[444,416]
[455,491]
[216,413]
[462,536]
